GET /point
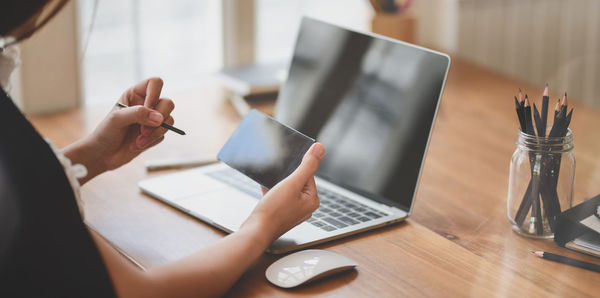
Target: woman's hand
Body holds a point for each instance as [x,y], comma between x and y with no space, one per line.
[213,270]
[125,132]
[291,201]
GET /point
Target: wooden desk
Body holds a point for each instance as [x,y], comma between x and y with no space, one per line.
[456,243]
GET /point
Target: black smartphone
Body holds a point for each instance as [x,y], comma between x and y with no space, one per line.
[264,149]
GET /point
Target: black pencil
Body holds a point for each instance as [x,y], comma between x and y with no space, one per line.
[525,202]
[165,125]
[522,105]
[519,110]
[559,129]
[528,121]
[521,99]
[567,260]
[545,102]
[528,197]
[563,105]
[568,122]
[536,215]
[538,121]
[549,199]
[560,119]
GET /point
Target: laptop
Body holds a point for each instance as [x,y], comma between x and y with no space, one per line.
[371,101]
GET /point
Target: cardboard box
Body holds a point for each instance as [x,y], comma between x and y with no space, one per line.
[398,26]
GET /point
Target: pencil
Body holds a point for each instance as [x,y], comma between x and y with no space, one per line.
[519,110]
[559,129]
[560,120]
[535,222]
[548,197]
[521,100]
[564,104]
[538,121]
[567,260]
[545,101]
[177,163]
[528,197]
[165,125]
[528,120]
[525,202]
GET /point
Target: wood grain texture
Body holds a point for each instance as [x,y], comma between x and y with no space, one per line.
[457,242]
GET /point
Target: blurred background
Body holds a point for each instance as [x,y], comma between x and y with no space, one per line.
[100,48]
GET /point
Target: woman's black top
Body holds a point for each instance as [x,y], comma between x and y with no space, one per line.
[45,248]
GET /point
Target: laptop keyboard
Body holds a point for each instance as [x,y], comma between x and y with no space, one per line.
[335,211]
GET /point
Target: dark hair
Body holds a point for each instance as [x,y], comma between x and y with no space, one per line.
[15,13]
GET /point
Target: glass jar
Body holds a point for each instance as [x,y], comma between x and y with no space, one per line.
[541,182]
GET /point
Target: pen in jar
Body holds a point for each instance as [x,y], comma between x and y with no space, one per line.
[165,125]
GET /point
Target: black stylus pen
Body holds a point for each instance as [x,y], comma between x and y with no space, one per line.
[167,126]
[567,260]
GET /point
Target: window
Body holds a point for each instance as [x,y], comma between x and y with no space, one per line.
[278,21]
[130,40]
[181,40]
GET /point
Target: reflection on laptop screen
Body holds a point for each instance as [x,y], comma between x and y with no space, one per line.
[371,101]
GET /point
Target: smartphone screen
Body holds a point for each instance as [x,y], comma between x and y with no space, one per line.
[264,149]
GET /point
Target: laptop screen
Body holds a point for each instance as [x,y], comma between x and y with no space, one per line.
[371,101]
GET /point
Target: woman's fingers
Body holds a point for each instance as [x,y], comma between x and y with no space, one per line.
[164,106]
[150,90]
[146,93]
[155,142]
[143,142]
[131,98]
[134,147]
[136,115]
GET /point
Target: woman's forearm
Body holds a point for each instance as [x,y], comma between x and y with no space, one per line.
[213,270]
[81,152]
[207,273]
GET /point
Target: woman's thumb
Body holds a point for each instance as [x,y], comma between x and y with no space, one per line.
[311,161]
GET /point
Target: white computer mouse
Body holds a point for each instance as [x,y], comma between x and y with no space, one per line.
[307,265]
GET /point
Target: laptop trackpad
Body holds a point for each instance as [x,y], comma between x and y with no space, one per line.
[225,207]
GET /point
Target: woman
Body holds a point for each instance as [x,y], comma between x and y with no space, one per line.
[46,250]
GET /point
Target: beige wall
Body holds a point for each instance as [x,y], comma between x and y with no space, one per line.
[437,24]
[537,41]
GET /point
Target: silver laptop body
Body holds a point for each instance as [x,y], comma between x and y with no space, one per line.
[371,101]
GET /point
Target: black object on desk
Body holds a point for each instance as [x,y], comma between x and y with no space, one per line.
[574,229]
[567,260]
